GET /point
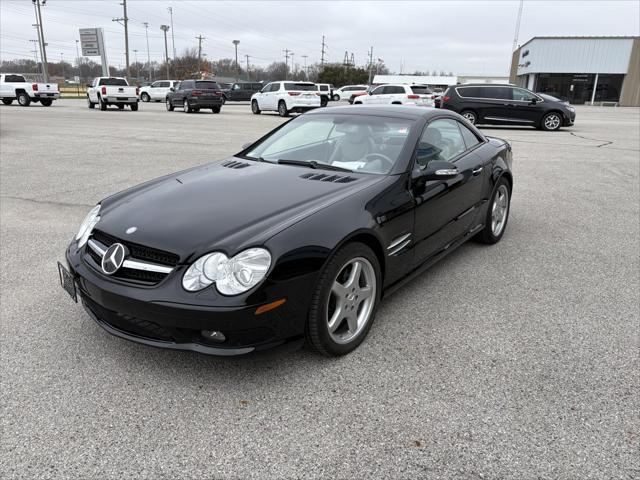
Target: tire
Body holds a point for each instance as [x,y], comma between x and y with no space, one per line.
[551,121]
[145,97]
[325,298]
[470,115]
[23,99]
[224,99]
[90,104]
[336,98]
[168,105]
[490,233]
[282,109]
[7,101]
[357,103]
[46,102]
[215,109]
[324,101]
[255,108]
[120,106]
[185,106]
[103,105]
[134,107]
[196,110]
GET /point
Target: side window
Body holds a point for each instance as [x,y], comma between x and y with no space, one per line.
[470,139]
[378,91]
[501,93]
[275,87]
[522,95]
[393,89]
[440,141]
[473,92]
[155,84]
[236,86]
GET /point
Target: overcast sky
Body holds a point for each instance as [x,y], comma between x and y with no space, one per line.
[466,37]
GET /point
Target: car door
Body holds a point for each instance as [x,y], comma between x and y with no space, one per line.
[375,96]
[445,208]
[527,107]
[235,92]
[272,96]
[394,94]
[263,96]
[93,91]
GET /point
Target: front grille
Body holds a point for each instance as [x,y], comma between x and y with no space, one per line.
[138,251]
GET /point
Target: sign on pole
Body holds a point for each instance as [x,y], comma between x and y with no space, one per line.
[92,44]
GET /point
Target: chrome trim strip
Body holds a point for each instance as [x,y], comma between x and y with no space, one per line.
[133,264]
[398,241]
[500,119]
[400,247]
[146,266]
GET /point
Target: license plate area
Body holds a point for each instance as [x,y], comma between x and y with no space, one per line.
[67,282]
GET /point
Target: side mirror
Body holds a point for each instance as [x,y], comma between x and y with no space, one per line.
[533,101]
[89,85]
[370,92]
[172,89]
[436,171]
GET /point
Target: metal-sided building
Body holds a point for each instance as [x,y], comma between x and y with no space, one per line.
[594,70]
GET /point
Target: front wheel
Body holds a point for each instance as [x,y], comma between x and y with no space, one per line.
[324,101]
[45,102]
[497,214]
[255,108]
[145,97]
[282,109]
[336,98]
[471,116]
[23,99]
[168,105]
[551,121]
[344,301]
[7,101]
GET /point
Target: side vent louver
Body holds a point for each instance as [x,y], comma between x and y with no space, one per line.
[323,177]
[235,164]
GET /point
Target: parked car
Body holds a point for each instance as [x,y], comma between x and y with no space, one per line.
[397,94]
[15,87]
[507,105]
[286,97]
[242,91]
[193,95]
[105,91]
[345,93]
[157,91]
[346,205]
[326,92]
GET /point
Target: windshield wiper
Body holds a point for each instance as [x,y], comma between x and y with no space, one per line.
[313,164]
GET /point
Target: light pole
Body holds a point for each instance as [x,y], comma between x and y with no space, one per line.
[164,28]
[248,76]
[62,66]
[135,55]
[43,49]
[306,71]
[173,40]
[79,69]
[236,42]
[146,32]
[293,66]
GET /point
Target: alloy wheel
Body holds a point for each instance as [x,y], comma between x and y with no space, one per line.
[470,116]
[351,300]
[499,210]
[552,121]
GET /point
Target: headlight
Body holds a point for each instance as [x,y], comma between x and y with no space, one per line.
[86,227]
[231,275]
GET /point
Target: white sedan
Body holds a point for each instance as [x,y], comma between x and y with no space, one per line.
[157,91]
[397,94]
[345,93]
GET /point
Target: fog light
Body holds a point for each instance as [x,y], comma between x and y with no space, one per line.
[214,335]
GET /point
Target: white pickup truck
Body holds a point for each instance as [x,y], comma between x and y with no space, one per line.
[13,86]
[106,91]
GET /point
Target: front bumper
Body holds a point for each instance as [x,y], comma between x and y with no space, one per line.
[137,314]
[569,118]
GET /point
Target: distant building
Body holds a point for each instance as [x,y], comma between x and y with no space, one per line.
[592,70]
[498,79]
[431,80]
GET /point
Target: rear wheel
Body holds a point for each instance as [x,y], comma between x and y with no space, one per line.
[282,109]
[23,99]
[103,104]
[168,105]
[344,301]
[185,106]
[90,104]
[7,101]
[46,102]
[551,121]
[215,109]
[497,214]
[255,108]
[134,107]
[324,101]
[470,115]
[145,97]
[224,99]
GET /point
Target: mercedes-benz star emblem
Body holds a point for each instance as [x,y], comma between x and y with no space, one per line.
[113,258]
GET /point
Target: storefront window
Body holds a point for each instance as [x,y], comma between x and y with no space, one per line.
[577,88]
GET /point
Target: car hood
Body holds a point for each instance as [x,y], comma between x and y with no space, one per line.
[227,206]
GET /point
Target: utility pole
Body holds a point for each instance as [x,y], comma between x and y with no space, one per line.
[164,28]
[306,71]
[125,23]
[173,40]
[323,52]
[43,49]
[62,66]
[286,62]
[200,39]
[293,65]
[146,32]
[35,51]
[370,64]
[517,32]
[135,53]
[235,43]
[248,76]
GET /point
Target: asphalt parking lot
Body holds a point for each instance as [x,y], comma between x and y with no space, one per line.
[519,360]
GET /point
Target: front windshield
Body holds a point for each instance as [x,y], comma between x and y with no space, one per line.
[358,143]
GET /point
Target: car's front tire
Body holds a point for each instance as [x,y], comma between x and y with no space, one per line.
[336,98]
[255,108]
[282,109]
[345,300]
[168,105]
[551,121]
[497,214]
[145,97]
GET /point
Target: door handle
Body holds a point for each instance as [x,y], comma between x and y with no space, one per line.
[477,170]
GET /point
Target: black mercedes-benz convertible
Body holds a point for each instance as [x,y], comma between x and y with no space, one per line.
[296,238]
